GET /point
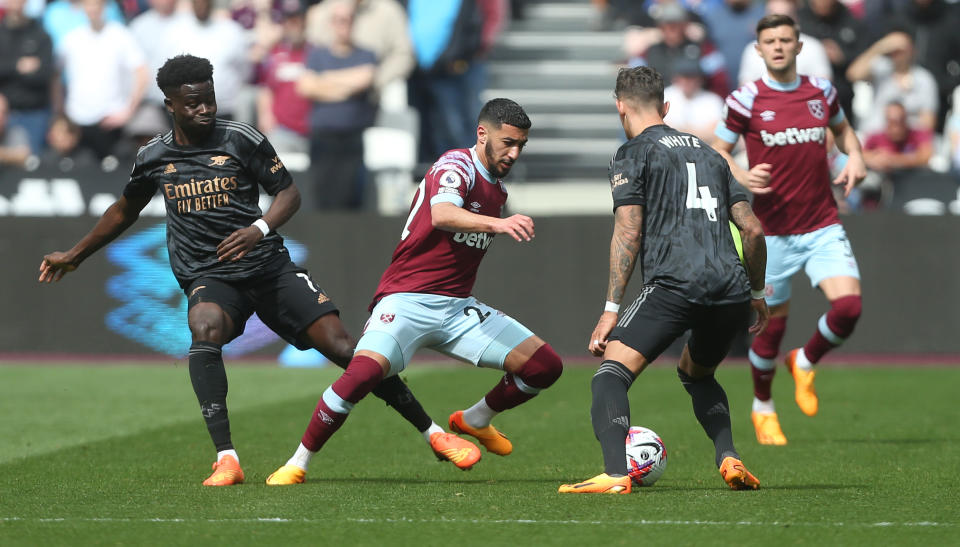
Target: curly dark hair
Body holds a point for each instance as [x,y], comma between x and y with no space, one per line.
[641,84]
[183,69]
[504,111]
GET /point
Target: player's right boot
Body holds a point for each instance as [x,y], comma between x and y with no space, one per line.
[601,484]
[768,429]
[804,392]
[461,452]
[736,475]
[288,474]
[225,472]
[489,437]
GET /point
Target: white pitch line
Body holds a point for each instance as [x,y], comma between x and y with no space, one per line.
[641,522]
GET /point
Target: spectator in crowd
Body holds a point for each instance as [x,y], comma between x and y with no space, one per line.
[263,19]
[672,21]
[731,27]
[14,142]
[898,150]
[693,109]
[447,38]
[106,77]
[380,26]
[900,155]
[935,27]
[843,37]
[282,113]
[812,60]
[63,145]
[157,33]
[26,73]
[62,16]
[228,47]
[952,134]
[890,66]
[339,81]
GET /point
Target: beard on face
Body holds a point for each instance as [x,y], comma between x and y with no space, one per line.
[494,165]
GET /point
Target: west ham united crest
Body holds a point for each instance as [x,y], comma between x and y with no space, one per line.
[817,109]
[387,317]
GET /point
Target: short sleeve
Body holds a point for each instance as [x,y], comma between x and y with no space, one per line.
[141,185]
[735,190]
[626,179]
[450,179]
[735,118]
[267,169]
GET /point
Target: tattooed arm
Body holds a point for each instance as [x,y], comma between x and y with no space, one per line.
[754,258]
[624,250]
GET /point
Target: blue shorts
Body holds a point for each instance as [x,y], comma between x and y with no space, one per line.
[823,253]
[462,328]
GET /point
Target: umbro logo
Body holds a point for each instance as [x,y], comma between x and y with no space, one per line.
[327,419]
[218,160]
[768,115]
[169,169]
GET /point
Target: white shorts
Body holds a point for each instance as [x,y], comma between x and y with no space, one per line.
[462,328]
[823,253]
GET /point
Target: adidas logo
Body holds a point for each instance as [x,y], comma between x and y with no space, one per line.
[170,169]
[718,409]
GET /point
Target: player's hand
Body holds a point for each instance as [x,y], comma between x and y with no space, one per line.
[598,340]
[759,305]
[55,266]
[851,174]
[519,227]
[239,243]
[758,179]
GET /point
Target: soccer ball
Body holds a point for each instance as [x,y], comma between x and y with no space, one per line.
[646,456]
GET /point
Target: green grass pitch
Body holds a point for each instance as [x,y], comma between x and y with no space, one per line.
[114,455]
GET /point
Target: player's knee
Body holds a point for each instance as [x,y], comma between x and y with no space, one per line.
[542,369]
[844,313]
[207,324]
[362,375]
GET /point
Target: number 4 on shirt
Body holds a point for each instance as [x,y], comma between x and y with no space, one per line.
[699,198]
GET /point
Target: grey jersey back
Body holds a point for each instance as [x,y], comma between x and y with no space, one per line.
[686,190]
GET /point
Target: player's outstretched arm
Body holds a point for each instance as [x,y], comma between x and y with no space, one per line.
[236,245]
[624,250]
[448,216]
[757,179]
[117,218]
[856,168]
[754,258]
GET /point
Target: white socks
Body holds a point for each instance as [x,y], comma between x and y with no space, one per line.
[802,362]
[301,458]
[434,428]
[763,407]
[479,415]
[230,452]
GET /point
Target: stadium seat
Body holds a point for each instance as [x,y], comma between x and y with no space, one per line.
[390,154]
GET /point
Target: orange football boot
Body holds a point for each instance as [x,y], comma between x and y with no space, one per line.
[601,484]
[461,452]
[804,393]
[225,472]
[736,475]
[489,437]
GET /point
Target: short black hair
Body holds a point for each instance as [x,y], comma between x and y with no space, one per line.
[183,69]
[641,84]
[775,20]
[504,111]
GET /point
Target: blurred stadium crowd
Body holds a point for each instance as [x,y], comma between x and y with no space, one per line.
[329,80]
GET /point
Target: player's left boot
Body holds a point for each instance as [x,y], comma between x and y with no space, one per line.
[225,472]
[601,484]
[736,475]
[461,452]
[489,436]
[804,392]
[288,474]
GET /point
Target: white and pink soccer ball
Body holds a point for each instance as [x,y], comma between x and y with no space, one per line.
[646,456]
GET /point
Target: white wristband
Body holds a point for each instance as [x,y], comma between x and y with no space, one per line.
[262,226]
[758,295]
[611,306]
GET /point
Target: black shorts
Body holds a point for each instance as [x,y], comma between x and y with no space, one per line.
[658,317]
[287,300]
